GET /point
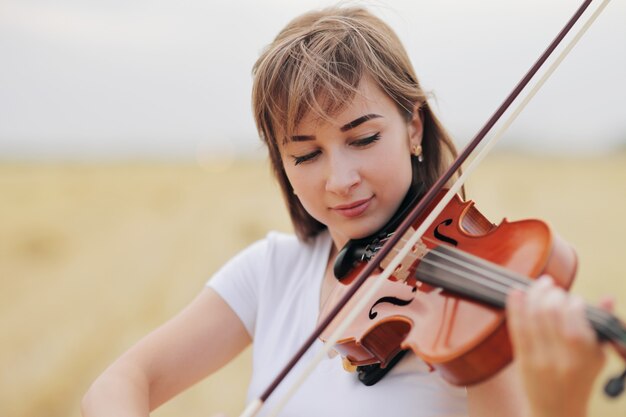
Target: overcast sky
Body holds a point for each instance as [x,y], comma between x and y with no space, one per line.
[169,78]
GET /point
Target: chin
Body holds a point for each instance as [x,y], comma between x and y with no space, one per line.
[359,228]
[366,230]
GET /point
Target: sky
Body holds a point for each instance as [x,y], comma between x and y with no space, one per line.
[172,79]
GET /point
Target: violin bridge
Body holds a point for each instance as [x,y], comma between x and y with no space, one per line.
[406,267]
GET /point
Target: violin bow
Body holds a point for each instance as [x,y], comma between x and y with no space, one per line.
[254,406]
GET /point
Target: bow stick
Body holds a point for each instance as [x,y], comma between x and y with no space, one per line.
[254,406]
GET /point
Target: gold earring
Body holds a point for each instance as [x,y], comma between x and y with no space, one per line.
[417,151]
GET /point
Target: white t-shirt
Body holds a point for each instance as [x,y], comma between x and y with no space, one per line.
[274,287]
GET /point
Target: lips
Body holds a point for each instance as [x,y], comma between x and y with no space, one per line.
[353,209]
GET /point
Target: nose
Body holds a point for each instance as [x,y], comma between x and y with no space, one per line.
[343,175]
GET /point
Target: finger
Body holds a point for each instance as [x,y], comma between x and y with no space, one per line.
[517,322]
[576,326]
[583,345]
[552,309]
[541,304]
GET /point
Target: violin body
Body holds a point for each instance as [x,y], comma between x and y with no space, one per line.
[464,337]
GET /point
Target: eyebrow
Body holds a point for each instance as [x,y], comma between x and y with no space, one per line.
[358,121]
[344,128]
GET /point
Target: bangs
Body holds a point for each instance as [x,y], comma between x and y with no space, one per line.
[315,65]
[319,78]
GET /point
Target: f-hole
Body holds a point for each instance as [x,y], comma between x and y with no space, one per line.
[441,236]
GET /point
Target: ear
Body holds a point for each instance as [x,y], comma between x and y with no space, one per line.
[416,127]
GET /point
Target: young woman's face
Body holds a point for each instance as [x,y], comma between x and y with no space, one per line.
[351,174]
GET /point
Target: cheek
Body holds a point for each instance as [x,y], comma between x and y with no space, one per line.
[394,163]
[306,186]
[393,175]
[300,182]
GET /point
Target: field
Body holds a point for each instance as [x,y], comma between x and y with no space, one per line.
[93,256]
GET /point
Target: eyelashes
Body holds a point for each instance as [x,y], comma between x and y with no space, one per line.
[366,141]
[304,158]
[359,143]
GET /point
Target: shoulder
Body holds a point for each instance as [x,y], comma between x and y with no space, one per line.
[280,242]
[285,252]
[261,277]
[278,251]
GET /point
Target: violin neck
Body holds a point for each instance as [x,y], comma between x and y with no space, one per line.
[608,327]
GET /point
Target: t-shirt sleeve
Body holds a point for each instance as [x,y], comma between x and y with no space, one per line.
[238,282]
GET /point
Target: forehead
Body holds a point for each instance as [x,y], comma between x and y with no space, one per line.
[368,99]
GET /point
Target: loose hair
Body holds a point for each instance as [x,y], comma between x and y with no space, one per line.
[315,65]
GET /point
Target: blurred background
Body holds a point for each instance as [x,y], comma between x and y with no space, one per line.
[130,168]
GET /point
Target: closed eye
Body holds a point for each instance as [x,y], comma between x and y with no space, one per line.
[359,143]
[305,158]
[366,141]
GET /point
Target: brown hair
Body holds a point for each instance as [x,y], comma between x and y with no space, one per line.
[315,65]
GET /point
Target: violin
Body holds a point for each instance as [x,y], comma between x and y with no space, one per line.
[445,301]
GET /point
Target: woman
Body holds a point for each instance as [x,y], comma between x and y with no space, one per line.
[350,135]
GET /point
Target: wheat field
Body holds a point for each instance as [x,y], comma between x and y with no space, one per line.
[93,256]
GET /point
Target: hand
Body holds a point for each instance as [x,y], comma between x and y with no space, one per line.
[555,348]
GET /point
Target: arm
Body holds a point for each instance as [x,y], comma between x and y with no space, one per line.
[556,348]
[173,357]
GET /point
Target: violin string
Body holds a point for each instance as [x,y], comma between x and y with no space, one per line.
[479,266]
[488,269]
[598,317]
[494,283]
[474,262]
[502,278]
[602,319]
[489,279]
[490,275]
